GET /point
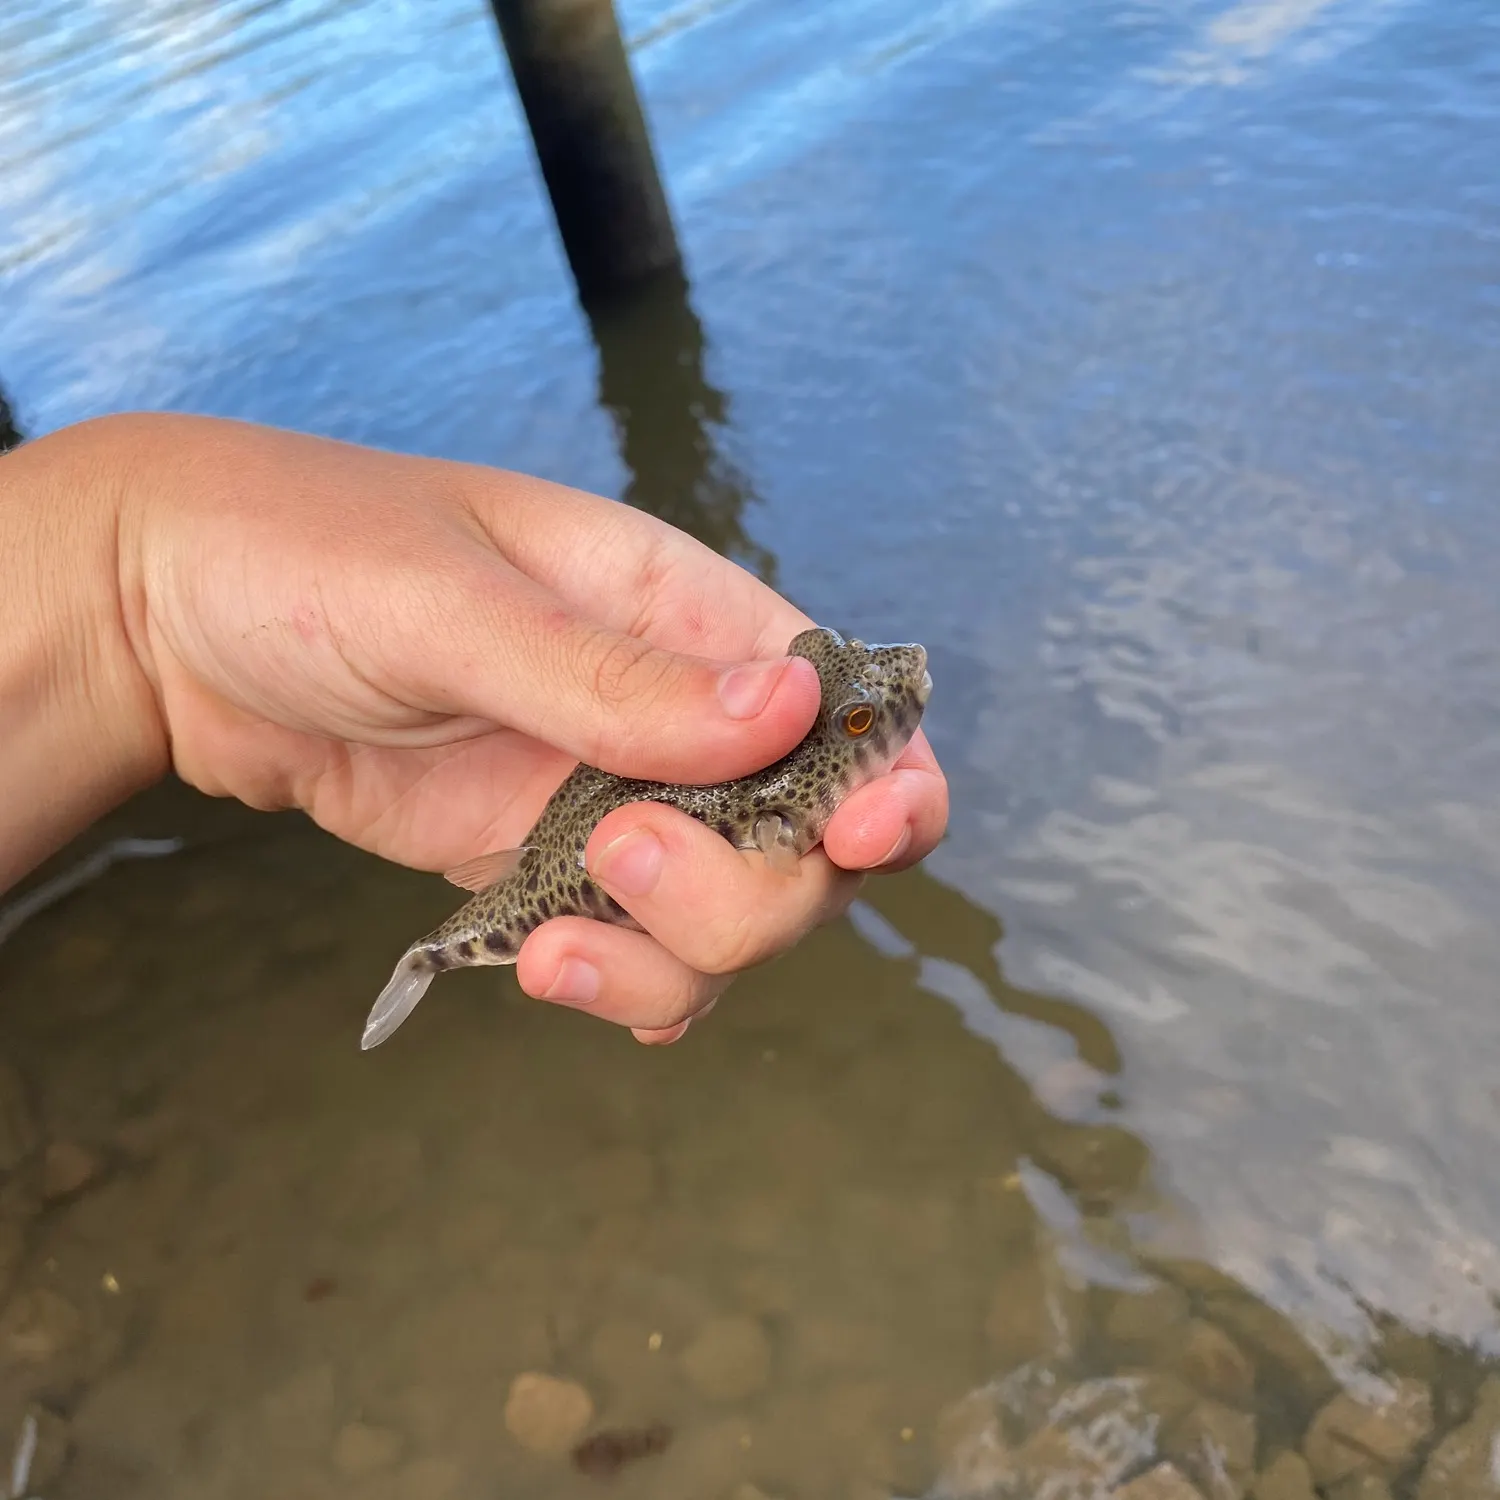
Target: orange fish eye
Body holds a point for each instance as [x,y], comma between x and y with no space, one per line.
[858,720]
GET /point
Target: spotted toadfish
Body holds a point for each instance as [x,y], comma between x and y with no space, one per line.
[873,698]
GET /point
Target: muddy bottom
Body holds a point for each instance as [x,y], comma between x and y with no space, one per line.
[831,1244]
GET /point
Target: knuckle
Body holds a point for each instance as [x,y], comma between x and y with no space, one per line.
[731,945]
[626,672]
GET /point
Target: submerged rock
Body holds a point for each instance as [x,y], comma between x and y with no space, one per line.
[546,1414]
[1360,1487]
[38,1326]
[1147,1323]
[1463,1466]
[67,1168]
[1350,1436]
[1161,1483]
[1215,1446]
[1286,1477]
[1211,1361]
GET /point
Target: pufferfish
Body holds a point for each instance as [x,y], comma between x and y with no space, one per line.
[873,698]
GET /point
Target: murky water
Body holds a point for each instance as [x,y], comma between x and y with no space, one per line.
[1140,358]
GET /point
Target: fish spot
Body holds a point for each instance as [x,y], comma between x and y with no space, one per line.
[496,942]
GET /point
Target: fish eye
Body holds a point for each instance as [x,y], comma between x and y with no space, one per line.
[859,719]
[874,672]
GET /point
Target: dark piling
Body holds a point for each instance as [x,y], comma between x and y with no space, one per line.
[592,142]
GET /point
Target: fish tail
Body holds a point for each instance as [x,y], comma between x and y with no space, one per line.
[399,998]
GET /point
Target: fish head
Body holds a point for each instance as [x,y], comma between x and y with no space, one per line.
[873,698]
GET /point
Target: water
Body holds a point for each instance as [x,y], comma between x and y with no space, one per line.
[1140,358]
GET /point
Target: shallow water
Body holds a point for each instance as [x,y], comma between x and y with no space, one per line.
[1141,359]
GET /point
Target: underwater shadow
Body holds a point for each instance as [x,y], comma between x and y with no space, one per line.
[669,420]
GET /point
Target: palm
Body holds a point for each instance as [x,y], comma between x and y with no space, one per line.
[243,644]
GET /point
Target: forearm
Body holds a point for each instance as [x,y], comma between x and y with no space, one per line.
[79,729]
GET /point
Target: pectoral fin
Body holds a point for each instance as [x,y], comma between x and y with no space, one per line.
[776,838]
[488,869]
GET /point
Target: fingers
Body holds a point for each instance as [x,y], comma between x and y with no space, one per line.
[894,822]
[716,908]
[615,974]
[710,910]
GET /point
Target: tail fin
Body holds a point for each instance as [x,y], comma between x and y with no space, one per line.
[398,999]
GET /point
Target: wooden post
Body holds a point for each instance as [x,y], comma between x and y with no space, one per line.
[592,142]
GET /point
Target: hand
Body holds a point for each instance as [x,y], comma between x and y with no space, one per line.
[415,653]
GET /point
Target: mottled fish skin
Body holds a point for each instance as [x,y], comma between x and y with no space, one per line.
[873,700]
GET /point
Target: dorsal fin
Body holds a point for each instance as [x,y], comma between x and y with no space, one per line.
[487,869]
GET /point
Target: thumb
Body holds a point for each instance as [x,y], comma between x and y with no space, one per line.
[618,702]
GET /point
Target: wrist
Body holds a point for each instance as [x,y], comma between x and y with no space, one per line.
[81,730]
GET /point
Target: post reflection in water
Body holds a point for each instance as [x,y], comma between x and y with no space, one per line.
[669,419]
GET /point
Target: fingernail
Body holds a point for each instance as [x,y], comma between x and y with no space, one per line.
[745,690]
[577,983]
[661,1037]
[896,850]
[631,864]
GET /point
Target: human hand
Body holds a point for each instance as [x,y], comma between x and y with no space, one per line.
[415,652]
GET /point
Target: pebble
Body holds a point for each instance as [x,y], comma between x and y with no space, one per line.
[67,1168]
[1210,1360]
[973,1455]
[1215,1446]
[1141,1323]
[38,1326]
[729,1358]
[1286,1358]
[1161,1483]
[1097,1432]
[1462,1466]
[361,1449]
[1286,1477]
[605,1453]
[1100,1162]
[1360,1487]
[1350,1436]
[18,1132]
[37,1452]
[547,1414]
